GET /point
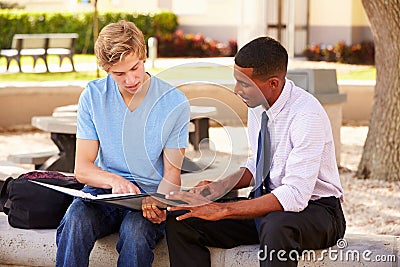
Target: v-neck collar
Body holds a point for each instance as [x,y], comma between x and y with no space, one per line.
[121,99]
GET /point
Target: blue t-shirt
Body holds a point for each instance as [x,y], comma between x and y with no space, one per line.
[131,143]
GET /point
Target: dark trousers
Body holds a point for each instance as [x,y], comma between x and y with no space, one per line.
[318,226]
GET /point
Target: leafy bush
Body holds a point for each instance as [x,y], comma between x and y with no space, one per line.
[362,53]
[179,44]
[15,21]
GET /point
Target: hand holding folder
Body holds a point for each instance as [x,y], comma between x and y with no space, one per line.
[130,200]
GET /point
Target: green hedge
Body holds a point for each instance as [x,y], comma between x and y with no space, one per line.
[14,21]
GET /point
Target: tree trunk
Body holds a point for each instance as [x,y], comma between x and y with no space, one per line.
[381,155]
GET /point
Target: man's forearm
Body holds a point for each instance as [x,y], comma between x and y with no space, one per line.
[250,209]
[246,209]
[94,176]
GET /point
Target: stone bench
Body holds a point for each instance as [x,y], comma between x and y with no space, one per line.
[37,248]
[36,159]
[10,169]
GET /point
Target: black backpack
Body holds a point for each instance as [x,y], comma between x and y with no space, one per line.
[31,206]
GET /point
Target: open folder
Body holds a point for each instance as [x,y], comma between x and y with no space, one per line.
[130,200]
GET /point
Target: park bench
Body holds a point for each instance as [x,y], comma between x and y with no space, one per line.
[39,46]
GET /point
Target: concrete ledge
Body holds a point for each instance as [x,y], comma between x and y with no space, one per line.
[230,108]
[37,248]
[360,101]
[25,100]
[357,108]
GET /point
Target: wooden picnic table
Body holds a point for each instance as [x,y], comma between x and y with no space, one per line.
[63,133]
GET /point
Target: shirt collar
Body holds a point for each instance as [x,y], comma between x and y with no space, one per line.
[279,104]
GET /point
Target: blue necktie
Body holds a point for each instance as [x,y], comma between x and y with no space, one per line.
[263,162]
[263,158]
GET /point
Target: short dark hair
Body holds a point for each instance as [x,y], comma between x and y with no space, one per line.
[266,55]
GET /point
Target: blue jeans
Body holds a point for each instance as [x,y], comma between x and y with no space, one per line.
[85,222]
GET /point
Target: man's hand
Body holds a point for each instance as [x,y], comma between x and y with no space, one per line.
[209,189]
[151,212]
[198,206]
[121,185]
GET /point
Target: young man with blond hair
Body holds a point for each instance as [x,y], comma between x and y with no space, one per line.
[131,136]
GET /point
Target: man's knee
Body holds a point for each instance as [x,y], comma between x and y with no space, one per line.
[135,227]
[76,213]
[186,229]
[74,223]
[79,217]
[172,224]
[137,235]
[277,230]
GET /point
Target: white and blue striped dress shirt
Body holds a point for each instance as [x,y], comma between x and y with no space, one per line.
[303,164]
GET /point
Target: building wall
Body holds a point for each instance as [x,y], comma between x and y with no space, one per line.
[217,19]
[340,20]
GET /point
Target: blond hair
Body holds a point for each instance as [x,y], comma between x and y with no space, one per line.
[117,40]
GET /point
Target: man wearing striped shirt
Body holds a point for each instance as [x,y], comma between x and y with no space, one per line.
[298,206]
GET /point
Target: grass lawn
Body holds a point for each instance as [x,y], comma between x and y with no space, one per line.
[26,60]
[176,73]
[365,75]
[50,76]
